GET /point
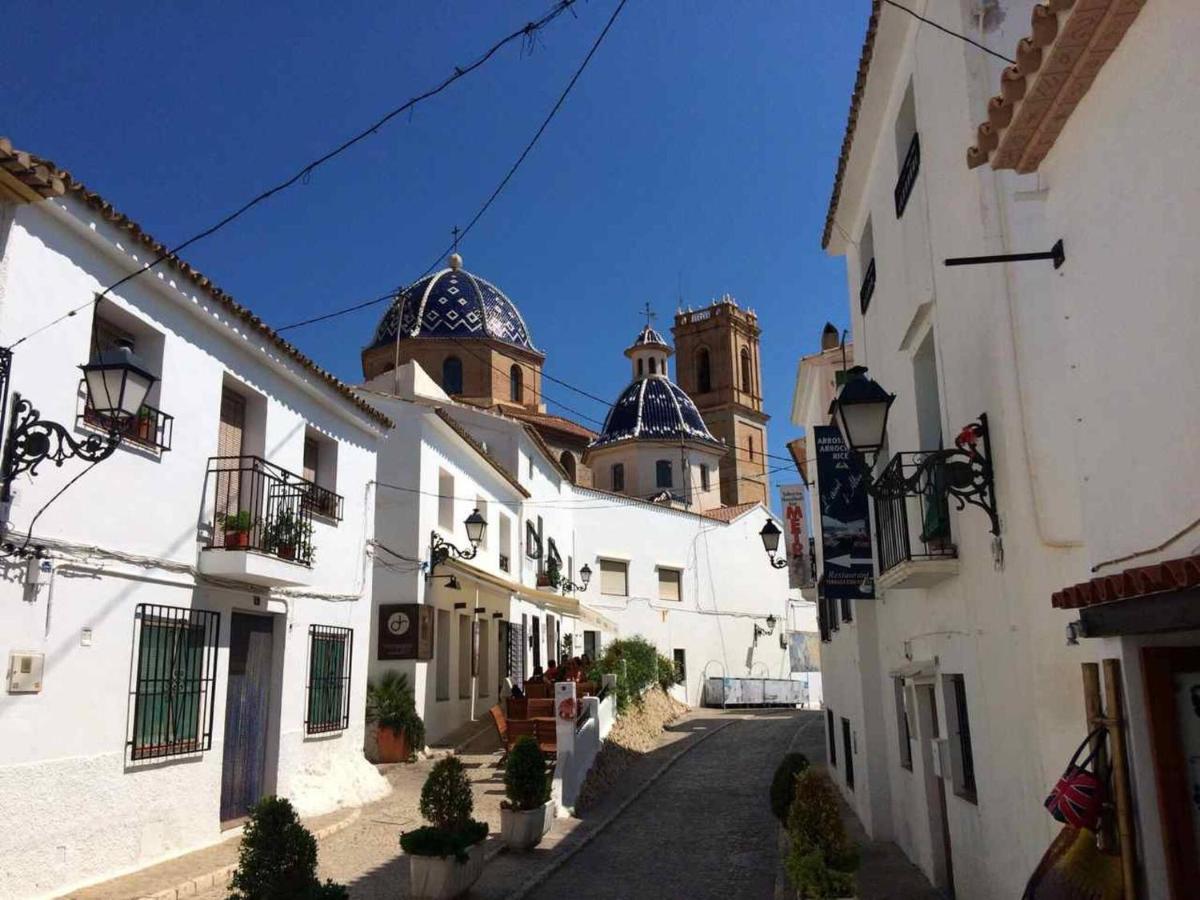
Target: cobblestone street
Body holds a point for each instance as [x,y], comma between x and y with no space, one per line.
[703,830]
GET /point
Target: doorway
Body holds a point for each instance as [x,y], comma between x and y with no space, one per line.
[247,715]
[935,788]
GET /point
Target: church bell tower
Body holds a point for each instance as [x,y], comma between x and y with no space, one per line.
[717,364]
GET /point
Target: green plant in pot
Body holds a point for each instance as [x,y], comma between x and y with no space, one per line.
[288,536]
[390,705]
[527,814]
[145,426]
[237,528]
[447,854]
[278,858]
[822,858]
[552,577]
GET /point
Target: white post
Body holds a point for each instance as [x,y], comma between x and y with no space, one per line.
[564,772]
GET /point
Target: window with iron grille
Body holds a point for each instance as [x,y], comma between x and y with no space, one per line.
[174,681]
[848,753]
[831,737]
[330,654]
[962,757]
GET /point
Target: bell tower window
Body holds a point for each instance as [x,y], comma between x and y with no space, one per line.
[516,384]
[747,387]
[703,371]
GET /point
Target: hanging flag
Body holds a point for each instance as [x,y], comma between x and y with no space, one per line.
[795,519]
[845,520]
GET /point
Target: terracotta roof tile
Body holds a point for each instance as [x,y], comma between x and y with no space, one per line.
[553,422]
[729,513]
[1068,44]
[1140,581]
[51,178]
[860,85]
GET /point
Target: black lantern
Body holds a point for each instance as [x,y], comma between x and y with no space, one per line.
[860,412]
[585,575]
[770,624]
[770,537]
[117,382]
[476,528]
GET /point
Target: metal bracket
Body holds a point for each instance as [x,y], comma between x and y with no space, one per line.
[1056,253]
[441,550]
[32,441]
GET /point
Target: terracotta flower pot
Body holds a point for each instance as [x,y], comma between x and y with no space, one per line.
[237,540]
[286,551]
[393,745]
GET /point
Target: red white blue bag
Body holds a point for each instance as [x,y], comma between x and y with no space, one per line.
[1079,796]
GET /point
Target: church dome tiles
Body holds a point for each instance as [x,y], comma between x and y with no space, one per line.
[454,303]
[654,408]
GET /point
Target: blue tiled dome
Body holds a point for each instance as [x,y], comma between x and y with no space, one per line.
[654,408]
[648,337]
[453,303]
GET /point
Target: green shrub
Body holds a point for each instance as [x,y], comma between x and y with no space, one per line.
[668,674]
[822,857]
[390,703]
[634,661]
[446,802]
[525,782]
[783,785]
[277,858]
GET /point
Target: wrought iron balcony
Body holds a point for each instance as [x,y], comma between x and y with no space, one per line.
[260,507]
[913,540]
[867,290]
[908,175]
[151,428]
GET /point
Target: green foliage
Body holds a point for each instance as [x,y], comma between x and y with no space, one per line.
[668,673]
[525,781]
[822,857]
[288,530]
[446,799]
[634,661]
[783,785]
[390,703]
[277,859]
[239,523]
[430,841]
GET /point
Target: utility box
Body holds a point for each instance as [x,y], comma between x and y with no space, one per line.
[37,571]
[25,672]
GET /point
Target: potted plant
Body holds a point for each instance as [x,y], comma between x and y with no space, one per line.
[145,426]
[822,858]
[391,707]
[237,530]
[528,812]
[552,577]
[278,858]
[445,856]
[287,534]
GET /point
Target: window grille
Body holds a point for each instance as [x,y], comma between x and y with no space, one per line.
[831,737]
[174,682]
[330,656]
[848,754]
[965,782]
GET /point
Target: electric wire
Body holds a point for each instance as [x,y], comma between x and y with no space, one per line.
[525,32]
[945,30]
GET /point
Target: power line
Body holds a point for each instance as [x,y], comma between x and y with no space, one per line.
[525,32]
[333,315]
[945,30]
[528,147]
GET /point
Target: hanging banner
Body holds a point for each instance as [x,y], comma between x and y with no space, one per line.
[795,519]
[405,631]
[845,520]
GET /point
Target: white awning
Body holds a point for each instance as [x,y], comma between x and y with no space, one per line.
[547,600]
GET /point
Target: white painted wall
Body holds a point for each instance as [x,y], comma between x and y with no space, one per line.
[132,532]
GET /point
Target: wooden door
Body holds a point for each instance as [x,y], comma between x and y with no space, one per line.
[1172,682]
[247,712]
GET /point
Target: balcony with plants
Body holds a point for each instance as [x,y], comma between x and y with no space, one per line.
[261,527]
[913,539]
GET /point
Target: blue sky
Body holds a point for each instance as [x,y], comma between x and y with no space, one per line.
[694,157]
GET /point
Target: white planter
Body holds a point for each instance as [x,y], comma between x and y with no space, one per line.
[522,829]
[444,877]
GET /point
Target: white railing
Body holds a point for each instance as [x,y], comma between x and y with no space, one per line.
[579,738]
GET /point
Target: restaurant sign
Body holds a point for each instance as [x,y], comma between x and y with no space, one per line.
[845,521]
[405,631]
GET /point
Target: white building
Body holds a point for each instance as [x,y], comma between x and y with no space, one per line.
[166,667]
[668,562]
[962,652]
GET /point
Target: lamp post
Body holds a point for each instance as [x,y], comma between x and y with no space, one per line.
[770,537]
[117,384]
[585,575]
[964,471]
[759,630]
[441,550]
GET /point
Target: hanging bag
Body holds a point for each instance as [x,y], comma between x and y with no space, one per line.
[1079,795]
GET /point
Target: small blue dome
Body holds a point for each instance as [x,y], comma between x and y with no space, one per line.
[654,408]
[648,337]
[453,303]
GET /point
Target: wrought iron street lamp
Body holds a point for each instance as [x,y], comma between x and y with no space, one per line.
[770,629]
[585,575]
[964,471]
[117,382]
[770,537]
[441,550]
